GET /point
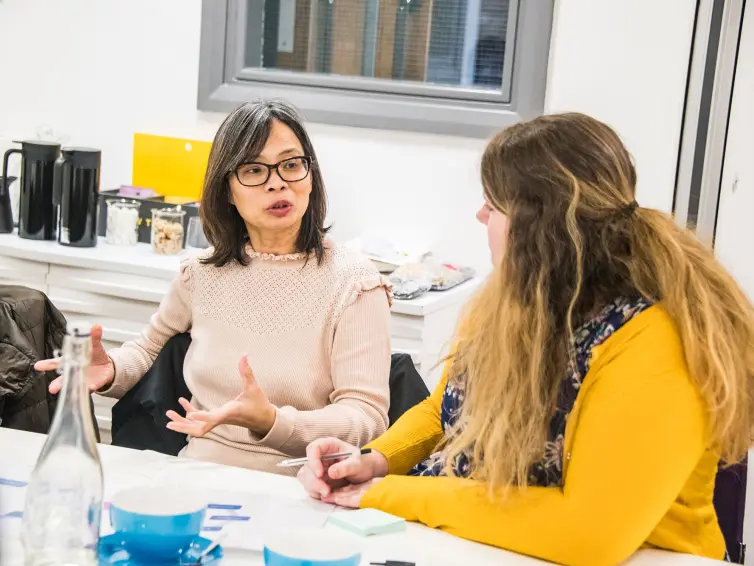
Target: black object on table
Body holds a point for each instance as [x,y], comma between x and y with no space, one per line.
[76,192]
[37,213]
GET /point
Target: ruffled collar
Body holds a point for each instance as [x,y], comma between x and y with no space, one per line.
[298,256]
[253,254]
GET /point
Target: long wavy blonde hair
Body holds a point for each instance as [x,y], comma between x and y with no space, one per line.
[576,242]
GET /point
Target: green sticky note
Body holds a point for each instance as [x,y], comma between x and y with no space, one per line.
[367,522]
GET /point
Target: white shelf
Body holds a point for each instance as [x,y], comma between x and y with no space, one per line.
[139,260]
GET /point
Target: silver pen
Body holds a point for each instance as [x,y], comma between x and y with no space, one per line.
[326,458]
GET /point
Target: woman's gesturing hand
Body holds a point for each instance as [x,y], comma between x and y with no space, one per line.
[251,409]
[100,373]
[323,479]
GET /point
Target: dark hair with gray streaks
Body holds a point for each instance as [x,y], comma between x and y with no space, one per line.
[242,137]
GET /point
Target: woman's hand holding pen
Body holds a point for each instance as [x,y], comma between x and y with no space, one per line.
[340,482]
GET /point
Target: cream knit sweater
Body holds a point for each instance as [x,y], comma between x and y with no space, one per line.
[317,337]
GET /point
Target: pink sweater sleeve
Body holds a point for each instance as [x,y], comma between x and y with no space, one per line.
[133,359]
[360,368]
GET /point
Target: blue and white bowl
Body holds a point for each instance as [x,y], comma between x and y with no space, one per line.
[156,524]
[315,547]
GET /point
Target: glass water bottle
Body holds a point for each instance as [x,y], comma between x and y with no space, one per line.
[61,520]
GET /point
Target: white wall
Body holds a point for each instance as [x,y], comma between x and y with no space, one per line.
[625,62]
[100,70]
[735,230]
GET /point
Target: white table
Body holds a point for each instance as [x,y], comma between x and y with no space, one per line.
[425,547]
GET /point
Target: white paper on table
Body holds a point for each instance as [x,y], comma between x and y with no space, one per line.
[11,503]
[280,507]
[12,497]
[256,514]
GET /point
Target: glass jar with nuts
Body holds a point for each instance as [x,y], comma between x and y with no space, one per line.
[167,230]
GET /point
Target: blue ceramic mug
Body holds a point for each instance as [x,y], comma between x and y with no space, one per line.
[314,547]
[156,524]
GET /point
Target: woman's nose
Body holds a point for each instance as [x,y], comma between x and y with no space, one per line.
[482,215]
[275,182]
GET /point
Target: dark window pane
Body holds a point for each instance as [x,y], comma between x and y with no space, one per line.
[446,42]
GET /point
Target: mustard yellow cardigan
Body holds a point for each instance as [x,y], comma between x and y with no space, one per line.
[638,471]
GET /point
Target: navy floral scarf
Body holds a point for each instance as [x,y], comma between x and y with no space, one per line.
[548,472]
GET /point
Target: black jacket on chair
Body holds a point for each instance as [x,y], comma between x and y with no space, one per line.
[139,417]
[31,329]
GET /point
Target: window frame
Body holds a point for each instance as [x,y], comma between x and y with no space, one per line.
[225,81]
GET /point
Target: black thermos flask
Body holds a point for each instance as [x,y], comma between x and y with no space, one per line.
[76,191]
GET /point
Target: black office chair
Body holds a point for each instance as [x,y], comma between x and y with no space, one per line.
[730,503]
[407,388]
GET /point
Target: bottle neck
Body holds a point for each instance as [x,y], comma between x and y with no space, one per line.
[74,392]
[73,416]
[76,357]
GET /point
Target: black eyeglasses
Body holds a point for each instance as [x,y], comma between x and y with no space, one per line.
[254,174]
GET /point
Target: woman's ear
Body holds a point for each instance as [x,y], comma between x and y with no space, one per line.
[230,193]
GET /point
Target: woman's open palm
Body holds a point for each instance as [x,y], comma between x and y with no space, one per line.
[100,373]
[250,409]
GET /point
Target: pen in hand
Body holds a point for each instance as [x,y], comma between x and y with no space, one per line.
[325,458]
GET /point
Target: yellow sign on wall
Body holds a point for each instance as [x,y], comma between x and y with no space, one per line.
[173,167]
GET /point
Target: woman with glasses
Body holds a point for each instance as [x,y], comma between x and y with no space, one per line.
[290,332]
